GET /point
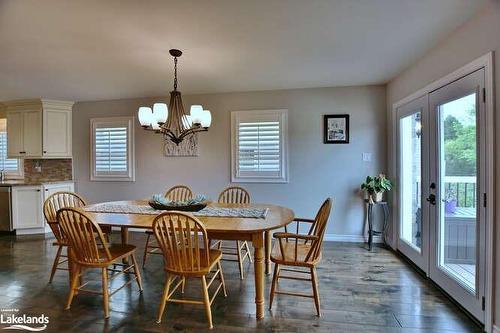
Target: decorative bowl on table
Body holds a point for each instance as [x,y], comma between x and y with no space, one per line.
[195,204]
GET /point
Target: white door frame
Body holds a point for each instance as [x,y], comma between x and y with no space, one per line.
[486,62]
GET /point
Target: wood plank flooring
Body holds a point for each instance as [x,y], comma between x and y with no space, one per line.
[360,291]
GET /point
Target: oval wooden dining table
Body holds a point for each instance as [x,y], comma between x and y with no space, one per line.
[255,230]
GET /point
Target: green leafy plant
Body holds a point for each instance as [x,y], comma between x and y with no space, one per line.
[460,138]
[377,184]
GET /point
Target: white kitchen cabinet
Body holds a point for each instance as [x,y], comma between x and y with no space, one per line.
[27,207]
[56,131]
[39,129]
[32,132]
[50,189]
[16,133]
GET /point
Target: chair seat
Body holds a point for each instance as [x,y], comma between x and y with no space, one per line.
[149,232]
[205,267]
[289,257]
[117,252]
[60,243]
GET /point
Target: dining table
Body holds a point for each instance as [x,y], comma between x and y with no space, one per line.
[252,229]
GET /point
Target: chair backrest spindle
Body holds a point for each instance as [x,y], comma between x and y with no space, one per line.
[318,229]
[183,240]
[55,202]
[234,195]
[179,193]
[80,232]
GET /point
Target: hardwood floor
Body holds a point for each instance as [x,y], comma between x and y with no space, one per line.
[360,292]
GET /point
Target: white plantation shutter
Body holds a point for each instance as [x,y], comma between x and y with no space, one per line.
[6,164]
[112,149]
[11,166]
[259,146]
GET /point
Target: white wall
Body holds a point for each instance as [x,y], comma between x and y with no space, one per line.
[316,170]
[478,36]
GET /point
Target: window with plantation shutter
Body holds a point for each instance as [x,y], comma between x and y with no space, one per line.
[12,167]
[259,146]
[112,149]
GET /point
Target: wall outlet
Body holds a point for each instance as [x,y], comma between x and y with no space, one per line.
[367,157]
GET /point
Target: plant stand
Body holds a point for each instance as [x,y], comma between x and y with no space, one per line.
[372,232]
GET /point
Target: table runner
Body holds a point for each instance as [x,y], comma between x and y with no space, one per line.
[258,213]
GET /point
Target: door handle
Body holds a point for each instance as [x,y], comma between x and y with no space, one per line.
[431,199]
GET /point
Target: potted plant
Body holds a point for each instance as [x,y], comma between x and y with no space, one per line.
[450,205]
[376,186]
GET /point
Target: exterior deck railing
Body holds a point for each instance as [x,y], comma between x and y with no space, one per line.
[459,223]
[463,188]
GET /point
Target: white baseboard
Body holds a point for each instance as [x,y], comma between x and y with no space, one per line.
[31,231]
[496,329]
[350,238]
[131,229]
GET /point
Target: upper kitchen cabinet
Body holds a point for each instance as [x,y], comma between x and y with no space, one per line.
[56,128]
[39,128]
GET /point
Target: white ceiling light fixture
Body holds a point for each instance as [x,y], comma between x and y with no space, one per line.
[172,121]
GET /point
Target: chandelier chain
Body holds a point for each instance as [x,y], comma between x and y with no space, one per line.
[175,73]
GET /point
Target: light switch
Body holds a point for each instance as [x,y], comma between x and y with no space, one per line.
[367,157]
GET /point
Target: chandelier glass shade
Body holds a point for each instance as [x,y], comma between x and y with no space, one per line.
[172,121]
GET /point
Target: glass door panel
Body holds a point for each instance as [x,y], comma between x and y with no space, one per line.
[413,181]
[458,189]
[410,128]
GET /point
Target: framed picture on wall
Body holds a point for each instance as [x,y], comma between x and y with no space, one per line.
[336,128]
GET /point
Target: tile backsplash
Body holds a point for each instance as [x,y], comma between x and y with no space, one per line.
[49,170]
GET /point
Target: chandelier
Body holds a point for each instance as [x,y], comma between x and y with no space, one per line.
[172,121]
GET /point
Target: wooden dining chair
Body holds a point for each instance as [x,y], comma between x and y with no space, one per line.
[184,244]
[179,193]
[176,193]
[302,252]
[235,195]
[51,205]
[88,251]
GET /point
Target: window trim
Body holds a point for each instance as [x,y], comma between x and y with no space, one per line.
[19,174]
[284,162]
[129,176]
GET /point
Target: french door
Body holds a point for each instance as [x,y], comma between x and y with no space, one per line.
[441,149]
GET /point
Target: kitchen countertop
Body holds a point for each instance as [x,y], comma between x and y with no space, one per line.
[22,182]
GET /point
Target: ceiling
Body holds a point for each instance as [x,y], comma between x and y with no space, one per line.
[93,49]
